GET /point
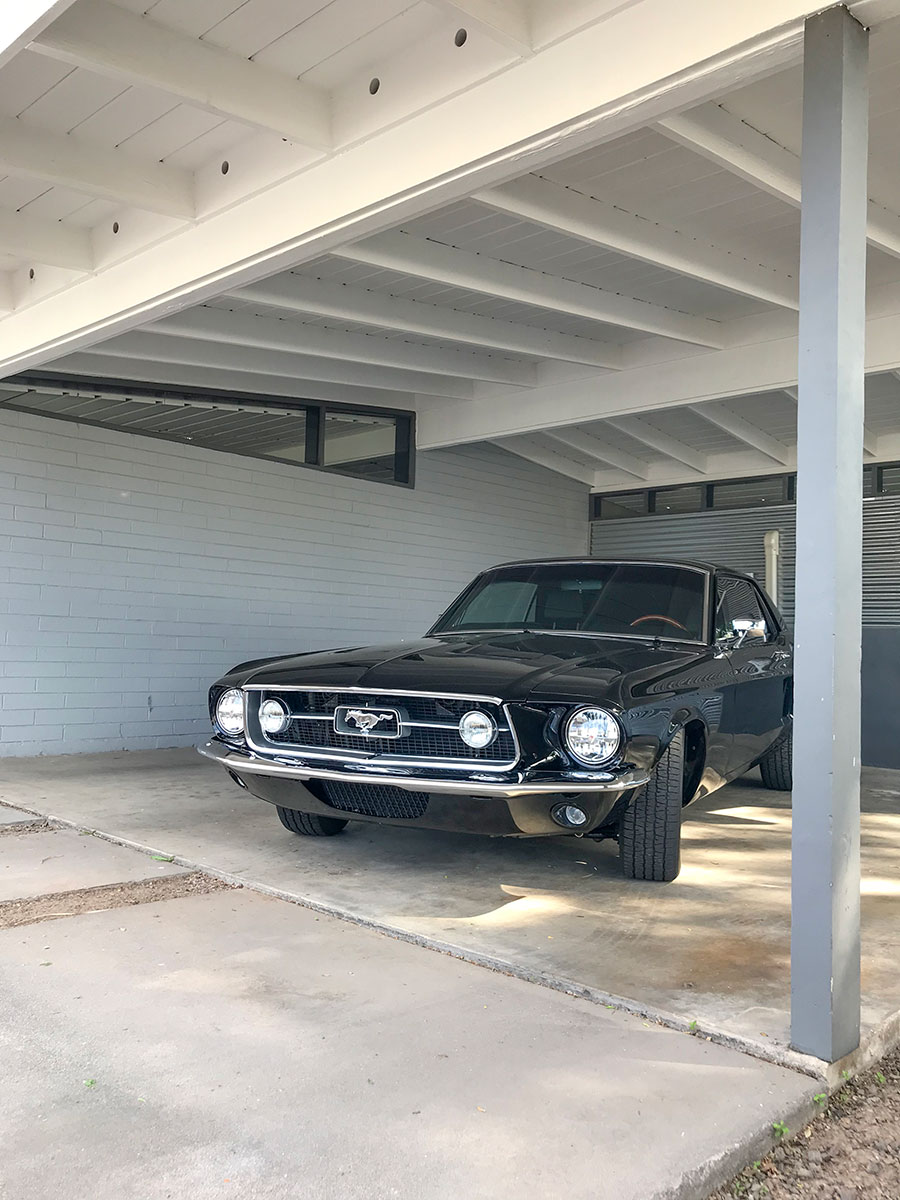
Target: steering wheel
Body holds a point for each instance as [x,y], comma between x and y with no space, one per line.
[660,617]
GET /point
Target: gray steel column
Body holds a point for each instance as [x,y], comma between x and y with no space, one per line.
[825,886]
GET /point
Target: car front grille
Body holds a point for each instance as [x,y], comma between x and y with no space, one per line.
[428,727]
[372,800]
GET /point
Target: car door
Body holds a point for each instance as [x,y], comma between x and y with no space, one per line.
[760,657]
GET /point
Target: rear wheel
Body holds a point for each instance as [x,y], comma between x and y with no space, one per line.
[776,765]
[650,833]
[309,824]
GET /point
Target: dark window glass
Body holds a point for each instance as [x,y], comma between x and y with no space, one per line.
[679,499]
[749,493]
[890,478]
[622,504]
[649,599]
[870,481]
[738,600]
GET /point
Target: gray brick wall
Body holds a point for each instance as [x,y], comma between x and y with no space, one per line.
[134,571]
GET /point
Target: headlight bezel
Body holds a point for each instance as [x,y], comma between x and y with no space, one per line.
[613,724]
[237,727]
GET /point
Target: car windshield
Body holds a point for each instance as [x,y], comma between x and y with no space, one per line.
[645,599]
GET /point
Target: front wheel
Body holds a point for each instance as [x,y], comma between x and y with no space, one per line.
[777,765]
[650,832]
[309,824]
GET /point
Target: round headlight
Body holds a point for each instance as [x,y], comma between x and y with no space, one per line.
[273,716]
[477,729]
[592,735]
[230,711]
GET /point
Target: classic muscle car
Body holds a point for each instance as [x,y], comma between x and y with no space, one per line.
[586,697]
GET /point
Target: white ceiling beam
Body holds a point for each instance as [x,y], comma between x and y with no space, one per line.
[110,175]
[743,431]
[635,428]
[89,364]
[432,260]
[542,456]
[48,242]
[564,210]
[159,347]
[22,21]
[302,293]
[721,137]
[273,333]
[766,364]
[597,449]
[506,21]
[113,41]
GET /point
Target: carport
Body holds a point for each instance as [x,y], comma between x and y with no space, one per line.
[412,281]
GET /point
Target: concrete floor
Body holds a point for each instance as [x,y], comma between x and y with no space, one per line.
[233,1044]
[713,947]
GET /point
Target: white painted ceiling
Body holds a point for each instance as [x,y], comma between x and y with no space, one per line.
[644,257]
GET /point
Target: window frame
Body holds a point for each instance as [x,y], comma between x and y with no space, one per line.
[404,455]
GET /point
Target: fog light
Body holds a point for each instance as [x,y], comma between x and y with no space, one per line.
[570,816]
[273,716]
[477,729]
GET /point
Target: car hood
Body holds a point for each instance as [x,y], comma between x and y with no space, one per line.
[511,666]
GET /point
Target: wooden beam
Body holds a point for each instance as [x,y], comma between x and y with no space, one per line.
[113,41]
[534,452]
[272,333]
[48,242]
[65,161]
[596,448]
[432,260]
[743,430]
[723,138]
[302,293]
[564,210]
[505,21]
[158,347]
[635,428]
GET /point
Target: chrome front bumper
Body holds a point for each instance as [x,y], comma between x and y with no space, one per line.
[470,785]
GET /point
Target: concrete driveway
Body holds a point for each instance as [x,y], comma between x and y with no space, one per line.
[713,947]
[165,1035]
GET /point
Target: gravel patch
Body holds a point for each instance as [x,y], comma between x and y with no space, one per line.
[851,1152]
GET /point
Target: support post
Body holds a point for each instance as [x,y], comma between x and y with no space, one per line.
[825,947]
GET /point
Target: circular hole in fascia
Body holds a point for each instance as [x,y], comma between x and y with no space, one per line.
[115,226]
[225,167]
[31,273]
[374,85]
[461,37]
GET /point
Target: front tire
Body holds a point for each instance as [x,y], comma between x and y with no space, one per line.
[650,833]
[309,824]
[777,765]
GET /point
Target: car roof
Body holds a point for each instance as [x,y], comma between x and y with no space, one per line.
[692,563]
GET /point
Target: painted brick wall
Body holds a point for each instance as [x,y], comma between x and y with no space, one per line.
[134,571]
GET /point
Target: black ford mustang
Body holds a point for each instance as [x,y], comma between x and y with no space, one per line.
[579,696]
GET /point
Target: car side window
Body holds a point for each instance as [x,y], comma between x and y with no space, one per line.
[738,600]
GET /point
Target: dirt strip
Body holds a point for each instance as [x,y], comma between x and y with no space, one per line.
[25,827]
[851,1152]
[110,895]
